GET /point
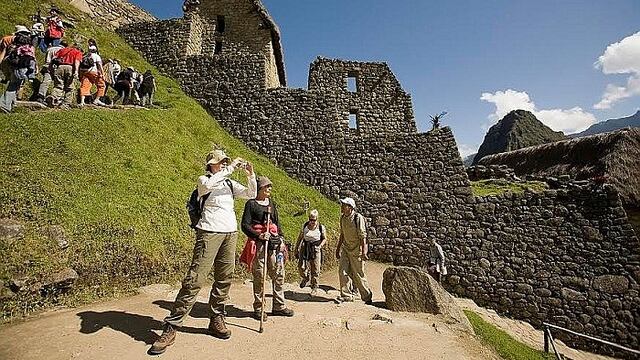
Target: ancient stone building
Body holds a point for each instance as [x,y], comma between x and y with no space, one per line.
[112,13]
[352,132]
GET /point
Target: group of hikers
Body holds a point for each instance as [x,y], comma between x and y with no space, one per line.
[65,65]
[211,209]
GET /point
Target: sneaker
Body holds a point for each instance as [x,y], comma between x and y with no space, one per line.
[304,283]
[282,312]
[167,339]
[99,103]
[218,328]
[256,315]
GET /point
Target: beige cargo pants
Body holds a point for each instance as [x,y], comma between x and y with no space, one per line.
[275,272]
[214,258]
[351,268]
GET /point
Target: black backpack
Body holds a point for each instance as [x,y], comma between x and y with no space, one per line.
[195,204]
[87,62]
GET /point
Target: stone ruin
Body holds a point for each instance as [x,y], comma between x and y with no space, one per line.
[566,256]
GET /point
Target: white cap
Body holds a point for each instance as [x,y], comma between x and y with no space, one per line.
[348,201]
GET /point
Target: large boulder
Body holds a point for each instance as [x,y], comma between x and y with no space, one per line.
[413,290]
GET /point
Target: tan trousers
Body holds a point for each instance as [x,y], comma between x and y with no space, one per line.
[351,268]
[214,259]
[310,269]
[63,85]
[275,272]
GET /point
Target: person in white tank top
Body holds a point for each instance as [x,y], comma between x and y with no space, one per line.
[309,251]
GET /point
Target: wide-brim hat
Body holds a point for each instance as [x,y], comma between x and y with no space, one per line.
[20,29]
[348,201]
[263,181]
[216,156]
[38,27]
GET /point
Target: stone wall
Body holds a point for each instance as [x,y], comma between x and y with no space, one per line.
[112,13]
[514,253]
[567,257]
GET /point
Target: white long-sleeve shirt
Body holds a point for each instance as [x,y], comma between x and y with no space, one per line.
[218,214]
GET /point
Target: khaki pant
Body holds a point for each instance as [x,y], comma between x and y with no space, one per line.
[63,85]
[214,258]
[310,269]
[276,273]
[351,268]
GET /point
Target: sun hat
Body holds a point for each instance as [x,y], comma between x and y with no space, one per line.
[216,156]
[21,29]
[263,181]
[348,201]
[38,27]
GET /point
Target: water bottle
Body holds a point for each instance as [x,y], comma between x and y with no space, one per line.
[280,263]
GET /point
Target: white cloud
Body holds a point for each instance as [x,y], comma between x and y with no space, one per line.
[568,121]
[622,57]
[466,150]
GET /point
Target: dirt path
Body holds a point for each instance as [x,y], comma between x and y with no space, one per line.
[124,329]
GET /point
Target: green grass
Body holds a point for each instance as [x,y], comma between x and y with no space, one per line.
[117,181]
[507,347]
[497,187]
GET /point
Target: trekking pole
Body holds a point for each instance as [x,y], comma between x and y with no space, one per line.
[264,270]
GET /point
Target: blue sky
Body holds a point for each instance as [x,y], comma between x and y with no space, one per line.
[572,62]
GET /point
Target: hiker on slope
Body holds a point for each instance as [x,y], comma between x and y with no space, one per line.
[216,234]
[352,252]
[254,220]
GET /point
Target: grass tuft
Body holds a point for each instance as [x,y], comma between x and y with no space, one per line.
[507,347]
[492,187]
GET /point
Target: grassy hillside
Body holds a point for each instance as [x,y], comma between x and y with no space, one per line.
[117,182]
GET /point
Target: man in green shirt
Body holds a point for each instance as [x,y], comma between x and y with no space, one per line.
[351,252]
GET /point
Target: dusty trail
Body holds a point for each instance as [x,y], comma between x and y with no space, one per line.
[321,329]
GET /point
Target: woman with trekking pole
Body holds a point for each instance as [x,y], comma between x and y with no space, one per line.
[265,251]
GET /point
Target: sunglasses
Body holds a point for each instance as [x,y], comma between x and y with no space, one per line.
[313,220]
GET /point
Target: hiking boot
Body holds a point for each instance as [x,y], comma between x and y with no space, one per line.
[99,103]
[282,312]
[218,328]
[341,299]
[256,315]
[368,302]
[304,283]
[314,292]
[167,339]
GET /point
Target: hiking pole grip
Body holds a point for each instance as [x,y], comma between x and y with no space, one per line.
[265,249]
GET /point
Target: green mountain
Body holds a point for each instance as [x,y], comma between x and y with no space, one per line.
[518,129]
[114,183]
[611,125]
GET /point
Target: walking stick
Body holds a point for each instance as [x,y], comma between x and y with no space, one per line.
[264,270]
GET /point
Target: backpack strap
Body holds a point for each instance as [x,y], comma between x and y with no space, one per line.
[321,227]
[204,197]
[230,183]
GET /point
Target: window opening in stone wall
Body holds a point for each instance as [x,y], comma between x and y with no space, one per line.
[218,49]
[353,119]
[220,24]
[351,84]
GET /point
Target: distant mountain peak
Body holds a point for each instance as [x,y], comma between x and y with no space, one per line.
[611,125]
[518,129]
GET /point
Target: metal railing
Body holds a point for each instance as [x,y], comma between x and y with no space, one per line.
[548,339]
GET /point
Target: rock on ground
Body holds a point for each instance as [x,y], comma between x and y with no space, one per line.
[413,290]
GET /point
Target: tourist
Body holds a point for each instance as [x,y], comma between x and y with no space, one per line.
[91,74]
[124,86]
[6,45]
[55,28]
[351,252]
[254,225]
[65,75]
[147,88]
[215,248]
[436,265]
[21,64]
[308,249]
[48,69]
[111,71]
